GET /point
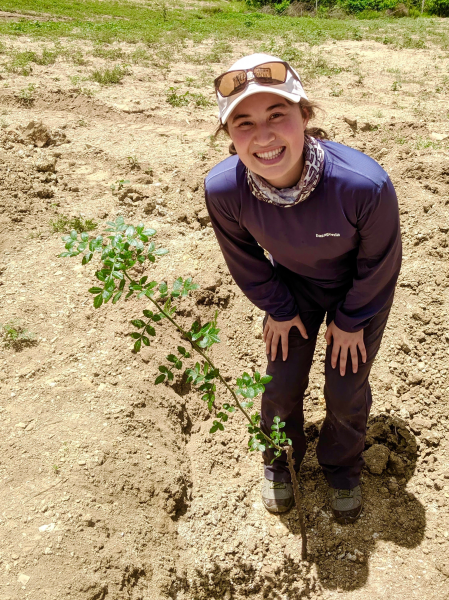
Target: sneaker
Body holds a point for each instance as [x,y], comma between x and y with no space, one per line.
[277,497]
[346,505]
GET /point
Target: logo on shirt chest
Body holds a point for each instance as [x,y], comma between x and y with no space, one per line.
[322,235]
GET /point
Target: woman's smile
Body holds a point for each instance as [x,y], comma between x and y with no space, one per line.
[271,157]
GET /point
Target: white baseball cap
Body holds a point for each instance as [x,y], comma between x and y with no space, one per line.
[290,89]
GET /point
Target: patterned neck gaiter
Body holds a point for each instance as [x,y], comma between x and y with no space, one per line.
[287,197]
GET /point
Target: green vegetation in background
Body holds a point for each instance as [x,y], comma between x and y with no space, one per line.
[14,335]
[108,22]
[64,224]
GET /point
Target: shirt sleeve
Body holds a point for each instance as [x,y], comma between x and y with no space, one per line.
[378,262]
[251,270]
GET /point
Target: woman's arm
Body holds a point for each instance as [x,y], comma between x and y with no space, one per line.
[251,270]
[378,262]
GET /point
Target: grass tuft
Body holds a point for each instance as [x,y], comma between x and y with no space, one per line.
[64,224]
[109,76]
[14,335]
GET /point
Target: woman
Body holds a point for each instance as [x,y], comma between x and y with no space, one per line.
[328,216]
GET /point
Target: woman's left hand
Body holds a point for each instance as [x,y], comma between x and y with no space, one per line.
[344,342]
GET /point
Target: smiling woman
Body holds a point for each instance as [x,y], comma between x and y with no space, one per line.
[335,254]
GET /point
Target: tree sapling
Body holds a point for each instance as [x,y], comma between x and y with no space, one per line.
[120,251]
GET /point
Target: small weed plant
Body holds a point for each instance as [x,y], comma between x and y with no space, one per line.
[123,248]
[65,224]
[26,94]
[176,100]
[109,76]
[14,335]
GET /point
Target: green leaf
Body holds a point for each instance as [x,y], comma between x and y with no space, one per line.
[170,375]
[147,313]
[116,297]
[246,378]
[74,234]
[228,407]
[95,290]
[150,330]
[163,288]
[137,345]
[98,301]
[145,340]
[276,419]
[172,358]
[135,335]
[161,251]
[163,369]
[159,379]
[266,379]
[183,352]
[138,323]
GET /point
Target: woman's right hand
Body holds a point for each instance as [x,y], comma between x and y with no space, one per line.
[275,330]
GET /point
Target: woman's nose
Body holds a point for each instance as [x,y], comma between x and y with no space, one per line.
[264,136]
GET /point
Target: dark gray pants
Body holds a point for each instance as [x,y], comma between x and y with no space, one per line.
[348,398]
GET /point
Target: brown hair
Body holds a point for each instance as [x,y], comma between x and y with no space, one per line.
[308,110]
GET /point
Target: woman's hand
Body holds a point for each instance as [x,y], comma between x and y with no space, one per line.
[344,341]
[280,329]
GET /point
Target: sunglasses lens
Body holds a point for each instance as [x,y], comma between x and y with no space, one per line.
[232,83]
[271,73]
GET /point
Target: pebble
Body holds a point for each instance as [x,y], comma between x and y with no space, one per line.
[23,579]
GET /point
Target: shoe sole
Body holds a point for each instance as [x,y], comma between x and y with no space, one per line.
[342,520]
[279,509]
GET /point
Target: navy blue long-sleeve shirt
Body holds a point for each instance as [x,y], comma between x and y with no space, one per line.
[346,231]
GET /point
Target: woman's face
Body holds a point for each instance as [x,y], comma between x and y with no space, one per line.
[268,135]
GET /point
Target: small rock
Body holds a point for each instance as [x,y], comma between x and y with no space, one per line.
[415,378]
[439,136]
[81,462]
[421,317]
[431,438]
[203,217]
[446,475]
[37,133]
[351,122]
[23,579]
[420,423]
[443,566]
[405,345]
[21,425]
[392,485]
[45,164]
[49,528]
[376,458]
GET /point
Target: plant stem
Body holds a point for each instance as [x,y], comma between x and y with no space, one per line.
[204,355]
[287,449]
[302,525]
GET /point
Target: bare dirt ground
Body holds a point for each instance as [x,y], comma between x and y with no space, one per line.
[113,488]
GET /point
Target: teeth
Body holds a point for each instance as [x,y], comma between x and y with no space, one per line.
[269,155]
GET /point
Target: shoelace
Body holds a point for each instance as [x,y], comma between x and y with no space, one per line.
[277,485]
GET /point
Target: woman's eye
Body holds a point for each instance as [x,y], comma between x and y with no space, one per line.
[275,115]
[244,124]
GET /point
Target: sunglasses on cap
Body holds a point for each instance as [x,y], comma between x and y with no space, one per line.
[269,73]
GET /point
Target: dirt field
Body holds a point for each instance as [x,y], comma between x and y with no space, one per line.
[113,488]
